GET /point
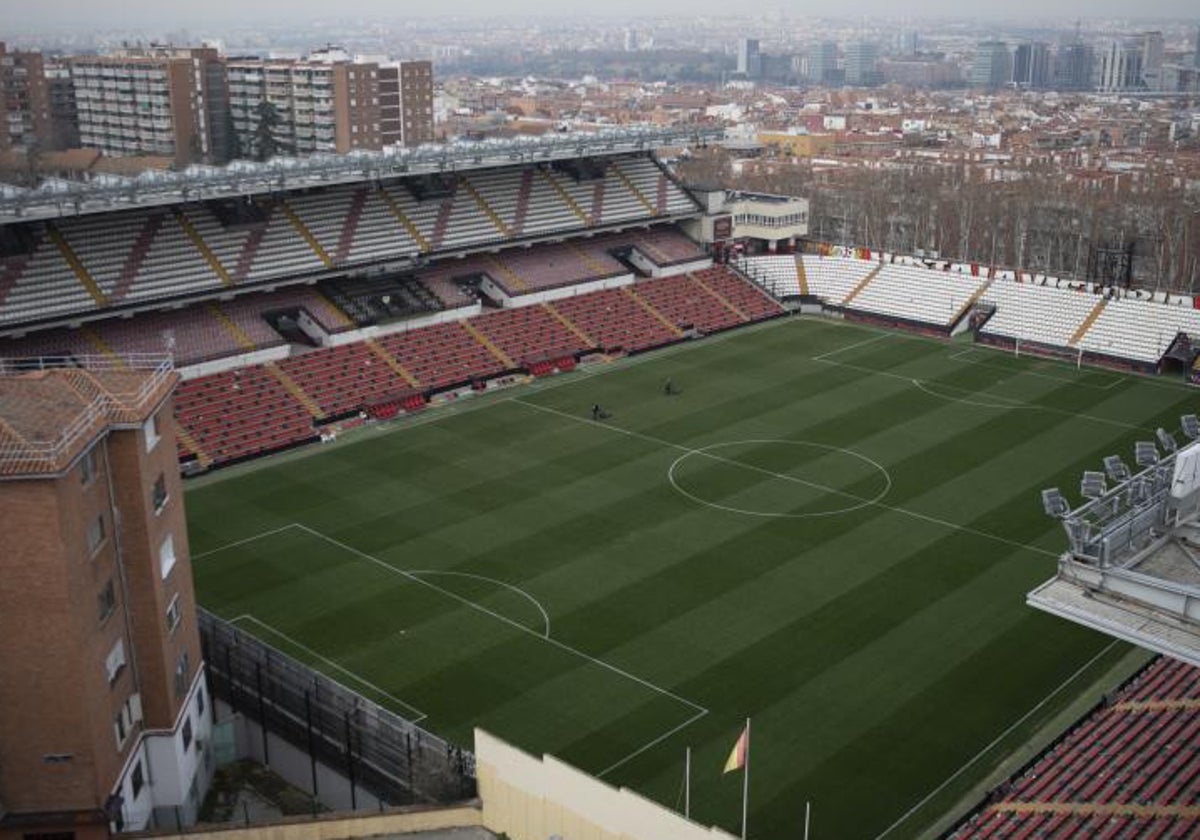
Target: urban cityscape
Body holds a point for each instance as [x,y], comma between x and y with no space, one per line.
[513,423]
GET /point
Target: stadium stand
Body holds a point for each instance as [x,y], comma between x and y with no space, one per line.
[221,414]
[79,265]
[1139,330]
[193,334]
[531,334]
[228,416]
[1130,769]
[1067,317]
[1030,312]
[918,294]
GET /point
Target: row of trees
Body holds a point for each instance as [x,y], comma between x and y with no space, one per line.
[1040,220]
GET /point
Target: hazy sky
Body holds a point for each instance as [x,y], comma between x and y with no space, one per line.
[26,15]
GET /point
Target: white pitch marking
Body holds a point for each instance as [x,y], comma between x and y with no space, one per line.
[958,357]
[705,450]
[862,343]
[420,716]
[509,586]
[1004,403]
[700,711]
[243,542]
[995,741]
[902,511]
[1016,403]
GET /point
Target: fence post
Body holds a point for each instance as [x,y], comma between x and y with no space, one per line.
[350,762]
[262,713]
[312,757]
[229,676]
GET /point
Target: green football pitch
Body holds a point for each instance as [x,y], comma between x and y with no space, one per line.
[830,530]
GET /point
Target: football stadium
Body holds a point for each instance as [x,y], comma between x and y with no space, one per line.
[483,437]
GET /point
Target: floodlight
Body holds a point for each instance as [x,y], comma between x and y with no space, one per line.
[1167,440]
[1116,469]
[1191,426]
[1145,453]
[1093,485]
[1054,504]
[1140,492]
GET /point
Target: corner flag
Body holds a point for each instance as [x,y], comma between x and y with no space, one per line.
[737,756]
[739,759]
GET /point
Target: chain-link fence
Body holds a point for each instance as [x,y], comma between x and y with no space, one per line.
[375,749]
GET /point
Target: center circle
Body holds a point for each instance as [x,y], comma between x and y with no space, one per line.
[783,479]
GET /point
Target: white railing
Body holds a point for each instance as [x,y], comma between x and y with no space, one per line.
[112,404]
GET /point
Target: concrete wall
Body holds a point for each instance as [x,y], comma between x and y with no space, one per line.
[292,764]
[529,798]
[400,821]
[648,266]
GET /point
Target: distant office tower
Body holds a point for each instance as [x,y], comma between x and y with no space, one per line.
[104,722]
[824,63]
[1196,50]
[329,103]
[1152,60]
[749,62]
[1121,66]
[24,101]
[862,60]
[992,65]
[151,101]
[1031,65]
[1075,67]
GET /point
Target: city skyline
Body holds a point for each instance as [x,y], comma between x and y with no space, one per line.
[77,15]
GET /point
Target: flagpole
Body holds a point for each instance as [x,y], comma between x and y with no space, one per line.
[746,783]
[687,783]
[807,813]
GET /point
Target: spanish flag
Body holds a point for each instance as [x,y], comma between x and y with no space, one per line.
[737,756]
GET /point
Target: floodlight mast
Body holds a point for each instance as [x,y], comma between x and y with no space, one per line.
[1190,425]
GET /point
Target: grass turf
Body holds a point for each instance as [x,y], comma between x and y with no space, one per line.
[613,592]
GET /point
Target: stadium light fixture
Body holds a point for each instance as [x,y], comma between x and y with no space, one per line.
[1167,440]
[1190,425]
[1116,469]
[1093,485]
[1145,453]
[1054,504]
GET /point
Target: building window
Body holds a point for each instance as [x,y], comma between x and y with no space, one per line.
[159,494]
[187,734]
[181,673]
[136,780]
[87,468]
[107,600]
[200,700]
[95,535]
[173,614]
[120,728]
[166,556]
[114,663]
[150,429]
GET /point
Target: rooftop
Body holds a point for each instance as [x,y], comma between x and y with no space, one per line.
[57,198]
[50,412]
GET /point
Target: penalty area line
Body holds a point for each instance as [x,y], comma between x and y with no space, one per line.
[698,710]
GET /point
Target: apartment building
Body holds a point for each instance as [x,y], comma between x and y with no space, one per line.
[24,101]
[156,100]
[329,102]
[104,718]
